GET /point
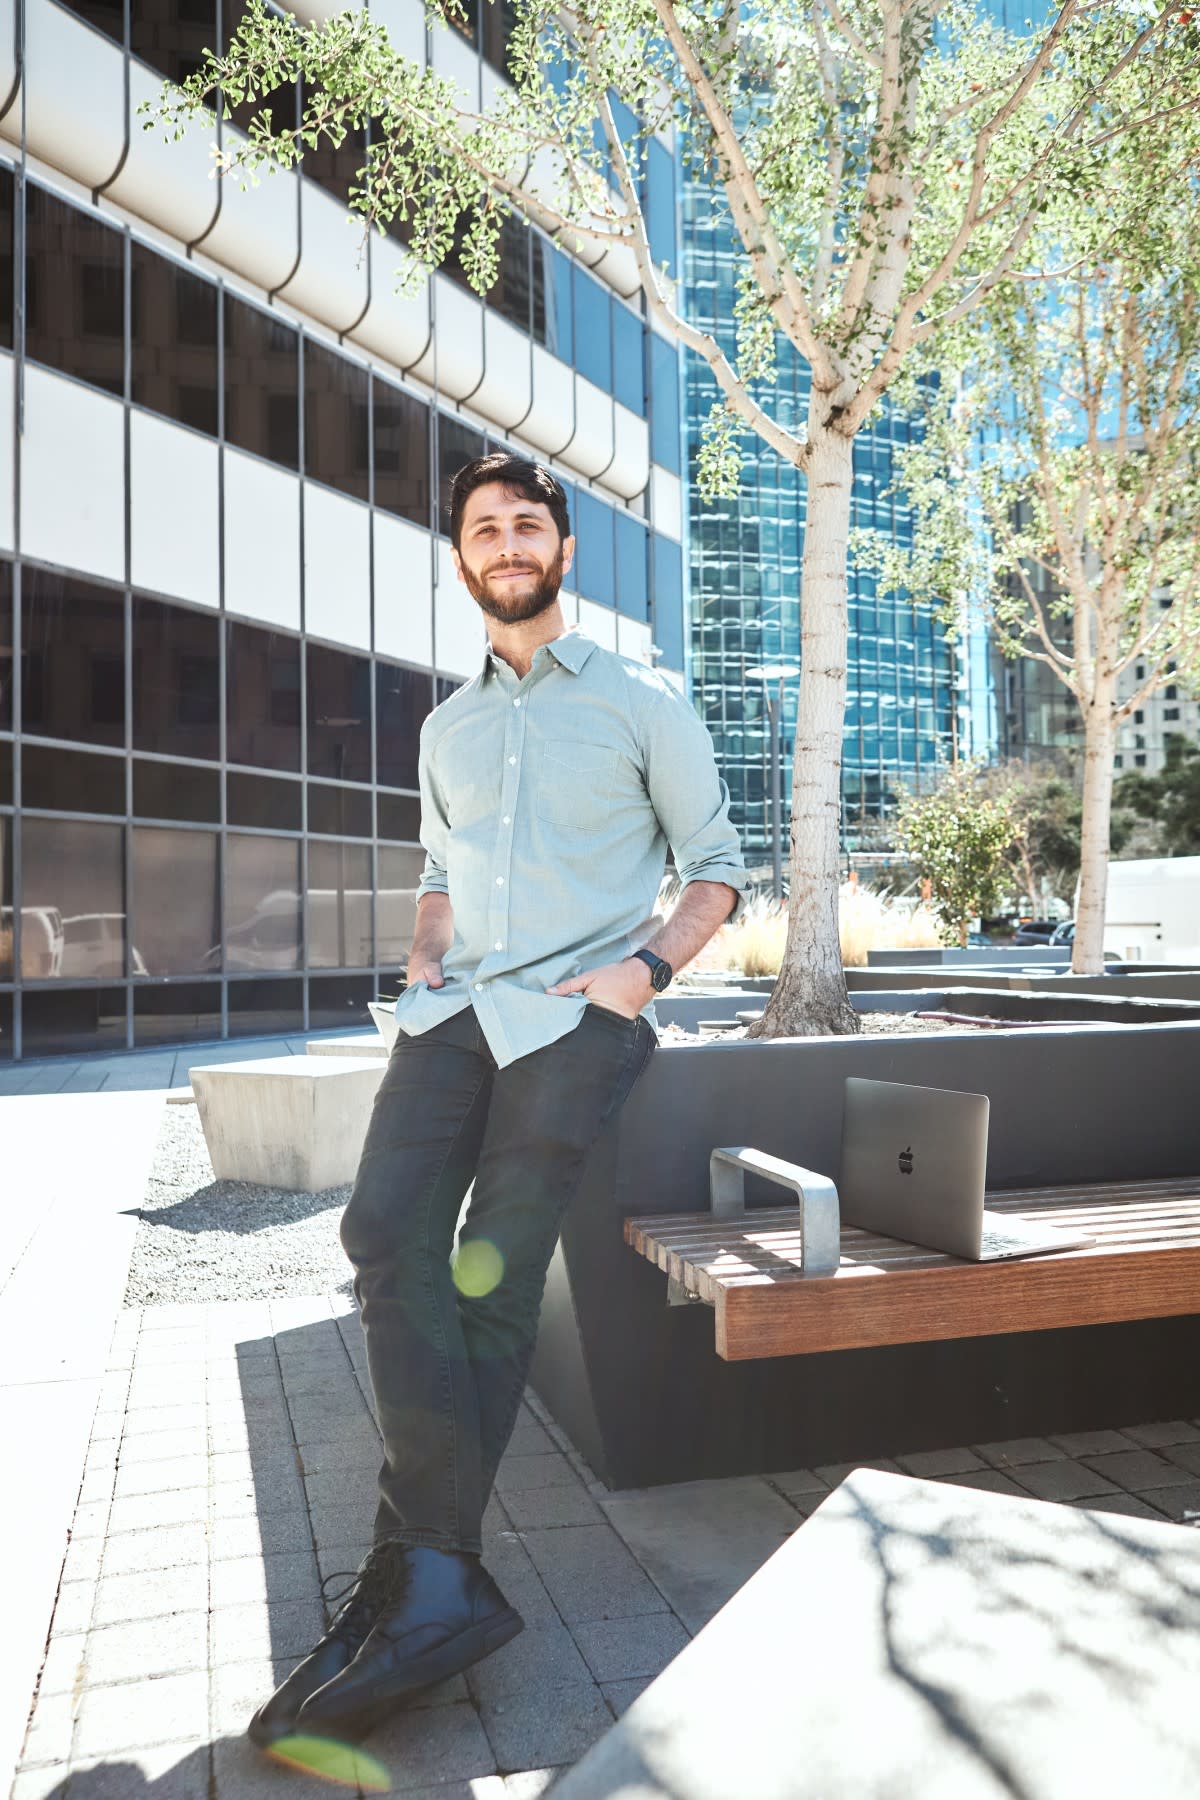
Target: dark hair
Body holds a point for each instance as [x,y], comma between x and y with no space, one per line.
[529,479]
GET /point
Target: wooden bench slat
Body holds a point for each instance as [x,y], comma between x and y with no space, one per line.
[1144,1263]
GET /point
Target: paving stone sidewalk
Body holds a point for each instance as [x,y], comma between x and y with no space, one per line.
[231,1469]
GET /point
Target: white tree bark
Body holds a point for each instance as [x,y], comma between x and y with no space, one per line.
[1099,740]
[810,994]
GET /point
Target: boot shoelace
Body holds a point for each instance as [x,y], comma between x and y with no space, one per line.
[367,1590]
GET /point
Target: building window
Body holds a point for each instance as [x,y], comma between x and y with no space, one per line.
[174,341]
[257,1007]
[7,201]
[631,566]
[262,903]
[1139,741]
[74,291]
[499,22]
[1118,761]
[399,817]
[73,659]
[186,792]
[403,698]
[510,293]
[660,204]
[339,714]
[262,802]
[176,681]
[178,1012]
[73,900]
[107,16]
[596,570]
[668,600]
[1171,693]
[552,278]
[80,781]
[6,647]
[262,697]
[262,383]
[629,383]
[283,104]
[593,330]
[1139,762]
[336,810]
[401,426]
[339,906]
[664,403]
[91,1018]
[336,438]
[172,35]
[1170,714]
[1139,717]
[457,446]
[175,913]
[396,904]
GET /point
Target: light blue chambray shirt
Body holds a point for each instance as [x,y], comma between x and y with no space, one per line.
[547,805]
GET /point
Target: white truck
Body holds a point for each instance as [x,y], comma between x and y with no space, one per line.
[1153,909]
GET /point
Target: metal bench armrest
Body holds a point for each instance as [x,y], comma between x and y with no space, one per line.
[820,1219]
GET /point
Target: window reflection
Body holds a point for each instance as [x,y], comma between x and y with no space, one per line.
[340,1000]
[6,906]
[664,411]
[336,446]
[6,646]
[262,383]
[631,566]
[457,446]
[282,103]
[256,1007]
[6,774]
[401,453]
[174,340]
[399,817]
[73,900]
[668,600]
[595,550]
[399,871]
[72,780]
[7,194]
[107,16]
[6,1020]
[262,697]
[86,1019]
[628,381]
[177,1012]
[172,35]
[499,19]
[262,902]
[339,906]
[339,714]
[593,330]
[339,811]
[403,697]
[170,790]
[176,680]
[74,291]
[176,915]
[262,801]
[73,660]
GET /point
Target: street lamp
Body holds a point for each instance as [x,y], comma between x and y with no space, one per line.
[768,673]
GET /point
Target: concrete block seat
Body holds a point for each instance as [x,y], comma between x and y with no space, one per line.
[295,1122]
[914,1638]
[360,1046]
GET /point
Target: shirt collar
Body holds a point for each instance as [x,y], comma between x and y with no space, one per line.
[572,650]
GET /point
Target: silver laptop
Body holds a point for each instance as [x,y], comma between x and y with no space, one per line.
[914,1161]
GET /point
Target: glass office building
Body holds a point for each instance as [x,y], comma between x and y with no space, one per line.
[910,695]
[226,596]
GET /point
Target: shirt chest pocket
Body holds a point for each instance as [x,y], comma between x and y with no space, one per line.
[575,783]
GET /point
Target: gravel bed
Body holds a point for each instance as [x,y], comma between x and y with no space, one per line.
[201,1239]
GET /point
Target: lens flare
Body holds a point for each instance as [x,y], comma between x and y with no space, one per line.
[344,1764]
[477,1268]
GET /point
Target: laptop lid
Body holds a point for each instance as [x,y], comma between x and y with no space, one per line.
[914,1163]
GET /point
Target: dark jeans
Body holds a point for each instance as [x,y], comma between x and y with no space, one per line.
[449,1350]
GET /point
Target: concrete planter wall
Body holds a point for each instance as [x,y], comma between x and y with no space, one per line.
[638,1384]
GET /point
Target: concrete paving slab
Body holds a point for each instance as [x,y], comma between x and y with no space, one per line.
[129,1716]
[524,1730]
[625,1649]
[590,1574]
[522,1474]
[1011,1451]
[1139,1469]
[700,1540]
[543,1657]
[550,1506]
[430,1744]
[936,1463]
[1182,1504]
[1165,1432]
[1065,1480]
[165,1772]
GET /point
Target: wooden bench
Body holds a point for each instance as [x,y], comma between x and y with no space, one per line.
[748,1266]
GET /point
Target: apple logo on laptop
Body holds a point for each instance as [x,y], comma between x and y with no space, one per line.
[906,1161]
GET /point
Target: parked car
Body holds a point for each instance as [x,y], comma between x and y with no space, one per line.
[1035,931]
[1064,933]
[979,940]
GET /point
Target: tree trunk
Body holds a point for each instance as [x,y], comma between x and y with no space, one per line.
[810,995]
[1099,738]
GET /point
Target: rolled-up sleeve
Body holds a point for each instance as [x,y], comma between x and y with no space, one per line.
[689,796]
[435,823]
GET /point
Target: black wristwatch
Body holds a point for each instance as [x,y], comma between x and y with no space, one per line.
[660,971]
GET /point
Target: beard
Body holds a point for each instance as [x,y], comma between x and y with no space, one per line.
[519,597]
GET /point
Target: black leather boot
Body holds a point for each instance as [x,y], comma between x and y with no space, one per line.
[447,1614]
[379,1576]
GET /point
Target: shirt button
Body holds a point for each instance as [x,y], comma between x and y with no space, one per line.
[499,946]
[499,881]
[506,820]
[516,703]
[512,759]
[479,987]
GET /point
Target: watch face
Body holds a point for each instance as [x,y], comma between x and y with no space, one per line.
[661,977]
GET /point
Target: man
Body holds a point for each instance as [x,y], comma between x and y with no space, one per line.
[551,786]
